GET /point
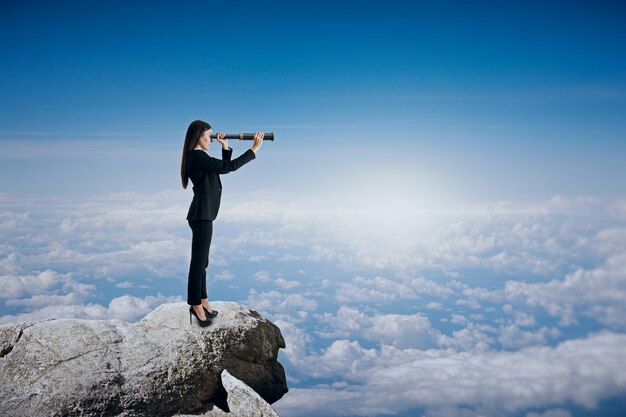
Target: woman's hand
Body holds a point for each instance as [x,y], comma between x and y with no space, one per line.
[258,141]
[220,139]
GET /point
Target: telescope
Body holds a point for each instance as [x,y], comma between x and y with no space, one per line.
[245,136]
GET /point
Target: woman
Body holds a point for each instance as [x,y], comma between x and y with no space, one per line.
[204,172]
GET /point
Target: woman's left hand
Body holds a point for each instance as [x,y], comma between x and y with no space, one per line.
[220,139]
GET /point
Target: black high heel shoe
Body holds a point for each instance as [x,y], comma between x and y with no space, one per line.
[210,314]
[203,323]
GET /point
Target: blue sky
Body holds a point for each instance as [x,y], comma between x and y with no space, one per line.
[454,170]
[531,95]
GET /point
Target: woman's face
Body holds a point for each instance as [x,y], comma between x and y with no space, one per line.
[205,139]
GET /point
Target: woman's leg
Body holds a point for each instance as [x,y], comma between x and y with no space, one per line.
[209,233]
[200,241]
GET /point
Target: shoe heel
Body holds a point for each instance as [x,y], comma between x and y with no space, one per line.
[202,323]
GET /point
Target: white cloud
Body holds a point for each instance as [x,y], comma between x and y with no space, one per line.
[112,235]
[273,302]
[126,308]
[345,322]
[392,380]
[519,318]
[381,290]
[471,338]
[263,276]
[43,283]
[470,302]
[283,283]
[511,337]
[224,276]
[400,330]
[120,235]
[90,311]
[537,237]
[556,412]
[39,301]
[458,319]
[129,233]
[296,341]
[618,209]
[288,258]
[133,309]
[599,293]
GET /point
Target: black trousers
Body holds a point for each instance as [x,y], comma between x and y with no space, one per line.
[202,231]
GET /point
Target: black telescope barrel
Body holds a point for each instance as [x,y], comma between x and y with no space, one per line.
[245,136]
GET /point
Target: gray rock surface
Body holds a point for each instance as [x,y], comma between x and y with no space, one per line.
[160,366]
[242,401]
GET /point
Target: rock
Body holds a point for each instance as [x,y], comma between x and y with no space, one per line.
[159,366]
[242,401]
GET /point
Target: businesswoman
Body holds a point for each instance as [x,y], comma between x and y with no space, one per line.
[204,172]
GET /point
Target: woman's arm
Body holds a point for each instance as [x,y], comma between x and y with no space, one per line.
[208,163]
[227,151]
[226,154]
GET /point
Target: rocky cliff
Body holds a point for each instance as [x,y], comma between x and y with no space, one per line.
[160,366]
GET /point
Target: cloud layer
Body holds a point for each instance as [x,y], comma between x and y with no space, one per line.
[485,309]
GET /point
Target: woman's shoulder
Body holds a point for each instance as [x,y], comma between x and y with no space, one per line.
[197,159]
[196,153]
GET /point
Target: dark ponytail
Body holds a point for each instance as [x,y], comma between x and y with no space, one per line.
[194,131]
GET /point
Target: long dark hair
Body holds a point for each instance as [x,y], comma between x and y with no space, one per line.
[194,131]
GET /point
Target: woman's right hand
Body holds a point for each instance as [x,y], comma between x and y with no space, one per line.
[258,141]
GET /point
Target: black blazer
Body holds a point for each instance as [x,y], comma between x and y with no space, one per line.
[203,171]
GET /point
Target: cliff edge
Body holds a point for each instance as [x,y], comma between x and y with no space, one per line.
[159,366]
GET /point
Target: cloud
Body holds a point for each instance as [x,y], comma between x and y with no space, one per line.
[473,337]
[383,290]
[400,330]
[224,276]
[379,289]
[101,237]
[362,310]
[130,233]
[126,308]
[535,237]
[345,322]
[519,318]
[599,293]
[296,340]
[392,380]
[276,302]
[89,311]
[133,309]
[283,283]
[41,284]
[262,276]
[416,331]
[511,337]
[556,412]
[618,209]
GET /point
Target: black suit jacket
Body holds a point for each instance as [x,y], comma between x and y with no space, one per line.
[204,172]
